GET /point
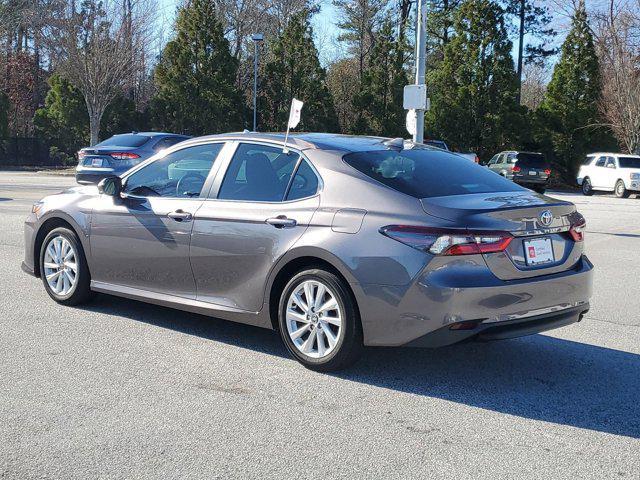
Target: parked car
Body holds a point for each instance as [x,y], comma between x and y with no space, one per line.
[442,145]
[340,242]
[117,154]
[528,169]
[610,172]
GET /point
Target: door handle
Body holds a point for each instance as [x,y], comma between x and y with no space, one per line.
[281,221]
[180,215]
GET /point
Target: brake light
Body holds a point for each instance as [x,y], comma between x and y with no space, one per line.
[578,227]
[477,159]
[81,155]
[547,171]
[448,241]
[516,169]
[124,155]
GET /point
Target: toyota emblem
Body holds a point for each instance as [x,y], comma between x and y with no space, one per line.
[546,218]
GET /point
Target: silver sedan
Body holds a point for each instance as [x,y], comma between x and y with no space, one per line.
[337,242]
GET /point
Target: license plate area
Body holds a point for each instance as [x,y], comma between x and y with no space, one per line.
[538,251]
[533,173]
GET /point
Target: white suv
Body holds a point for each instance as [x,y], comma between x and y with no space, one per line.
[610,172]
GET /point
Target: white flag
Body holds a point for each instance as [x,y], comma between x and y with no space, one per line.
[294,116]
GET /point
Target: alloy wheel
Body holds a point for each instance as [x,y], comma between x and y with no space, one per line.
[60,266]
[314,319]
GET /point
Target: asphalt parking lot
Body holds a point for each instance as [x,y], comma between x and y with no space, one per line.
[121,389]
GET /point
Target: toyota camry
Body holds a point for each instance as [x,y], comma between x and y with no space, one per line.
[337,242]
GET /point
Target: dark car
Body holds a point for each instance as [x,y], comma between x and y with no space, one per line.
[117,154]
[531,170]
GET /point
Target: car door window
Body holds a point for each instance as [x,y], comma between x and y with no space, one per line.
[258,173]
[601,161]
[611,163]
[304,183]
[180,174]
[493,160]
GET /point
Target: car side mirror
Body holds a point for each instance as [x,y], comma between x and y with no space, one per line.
[111,186]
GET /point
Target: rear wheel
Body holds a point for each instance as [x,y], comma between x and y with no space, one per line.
[621,191]
[319,321]
[587,189]
[63,267]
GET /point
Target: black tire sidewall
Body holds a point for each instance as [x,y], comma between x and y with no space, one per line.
[350,340]
[620,193]
[81,289]
[587,191]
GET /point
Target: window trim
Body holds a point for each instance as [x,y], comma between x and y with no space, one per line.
[214,191]
[162,154]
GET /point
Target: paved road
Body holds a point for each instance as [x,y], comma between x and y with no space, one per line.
[123,389]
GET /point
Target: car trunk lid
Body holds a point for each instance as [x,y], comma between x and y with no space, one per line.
[536,222]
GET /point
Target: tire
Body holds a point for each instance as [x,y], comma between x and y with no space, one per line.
[316,343]
[621,191]
[587,189]
[75,287]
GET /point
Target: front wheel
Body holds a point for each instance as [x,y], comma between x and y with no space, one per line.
[63,267]
[319,321]
[621,191]
[587,189]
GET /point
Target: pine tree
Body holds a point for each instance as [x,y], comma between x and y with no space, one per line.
[293,70]
[569,110]
[379,100]
[196,76]
[474,89]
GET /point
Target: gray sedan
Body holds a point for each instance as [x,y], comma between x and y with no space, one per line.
[335,241]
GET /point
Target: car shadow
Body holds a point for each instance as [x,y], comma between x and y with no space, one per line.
[538,377]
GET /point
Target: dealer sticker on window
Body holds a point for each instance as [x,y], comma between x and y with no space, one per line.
[539,251]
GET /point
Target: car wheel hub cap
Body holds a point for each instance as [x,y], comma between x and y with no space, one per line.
[60,266]
[314,319]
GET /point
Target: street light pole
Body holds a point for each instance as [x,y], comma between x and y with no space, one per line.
[421,53]
[257,38]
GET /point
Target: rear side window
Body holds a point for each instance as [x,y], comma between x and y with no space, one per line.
[531,160]
[629,162]
[425,173]
[600,162]
[258,173]
[124,141]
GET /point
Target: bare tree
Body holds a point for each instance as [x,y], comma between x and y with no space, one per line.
[618,43]
[534,85]
[100,48]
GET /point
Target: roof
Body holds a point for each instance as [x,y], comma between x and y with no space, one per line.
[613,154]
[152,134]
[319,141]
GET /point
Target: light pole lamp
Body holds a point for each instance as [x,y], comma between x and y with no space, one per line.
[257,39]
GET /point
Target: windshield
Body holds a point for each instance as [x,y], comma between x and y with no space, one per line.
[424,173]
[124,141]
[629,162]
[531,160]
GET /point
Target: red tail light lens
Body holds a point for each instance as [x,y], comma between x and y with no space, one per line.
[516,169]
[578,227]
[81,155]
[547,171]
[447,241]
[124,155]
[477,159]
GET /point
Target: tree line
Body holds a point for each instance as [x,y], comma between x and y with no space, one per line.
[73,72]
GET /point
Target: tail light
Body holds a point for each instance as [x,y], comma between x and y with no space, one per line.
[81,155]
[477,159]
[124,155]
[516,169]
[547,171]
[578,227]
[447,241]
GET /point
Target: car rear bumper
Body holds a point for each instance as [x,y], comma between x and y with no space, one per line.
[530,181]
[455,301]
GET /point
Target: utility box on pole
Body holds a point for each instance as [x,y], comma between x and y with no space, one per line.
[415,97]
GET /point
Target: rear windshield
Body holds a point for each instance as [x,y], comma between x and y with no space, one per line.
[124,141]
[535,160]
[629,162]
[424,173]
[437,144]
